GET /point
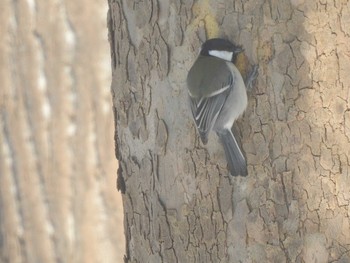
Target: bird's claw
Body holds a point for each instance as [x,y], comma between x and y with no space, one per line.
[251,77]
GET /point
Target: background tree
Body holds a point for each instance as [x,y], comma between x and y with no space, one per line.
[58,200]
[180,203]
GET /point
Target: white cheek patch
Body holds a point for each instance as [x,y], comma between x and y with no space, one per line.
[226,55]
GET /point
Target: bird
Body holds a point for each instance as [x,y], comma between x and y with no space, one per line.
[218,96]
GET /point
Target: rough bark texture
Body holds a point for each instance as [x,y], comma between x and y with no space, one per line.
[58,200]
[180,203]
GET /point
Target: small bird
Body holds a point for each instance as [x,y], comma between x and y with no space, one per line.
[218,96]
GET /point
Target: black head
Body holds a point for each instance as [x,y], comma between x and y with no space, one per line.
[221,48]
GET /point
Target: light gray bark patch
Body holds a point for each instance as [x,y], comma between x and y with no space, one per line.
[163,60]
[161,137]
[315,249]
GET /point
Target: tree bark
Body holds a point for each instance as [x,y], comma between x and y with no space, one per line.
[58,201]
[180,203]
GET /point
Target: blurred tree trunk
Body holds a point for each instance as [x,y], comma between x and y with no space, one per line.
[180,203]
[58,201]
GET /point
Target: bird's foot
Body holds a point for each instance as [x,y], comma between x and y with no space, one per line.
[251,77]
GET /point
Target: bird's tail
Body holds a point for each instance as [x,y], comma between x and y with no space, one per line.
[234,156]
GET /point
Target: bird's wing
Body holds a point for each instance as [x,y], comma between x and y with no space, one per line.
[206,110]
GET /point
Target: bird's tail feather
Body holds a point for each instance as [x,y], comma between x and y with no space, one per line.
[234,156]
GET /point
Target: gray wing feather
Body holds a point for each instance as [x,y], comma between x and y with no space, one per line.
[206,110]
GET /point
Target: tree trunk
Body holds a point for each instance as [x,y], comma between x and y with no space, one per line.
[180,203]
[58,201]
